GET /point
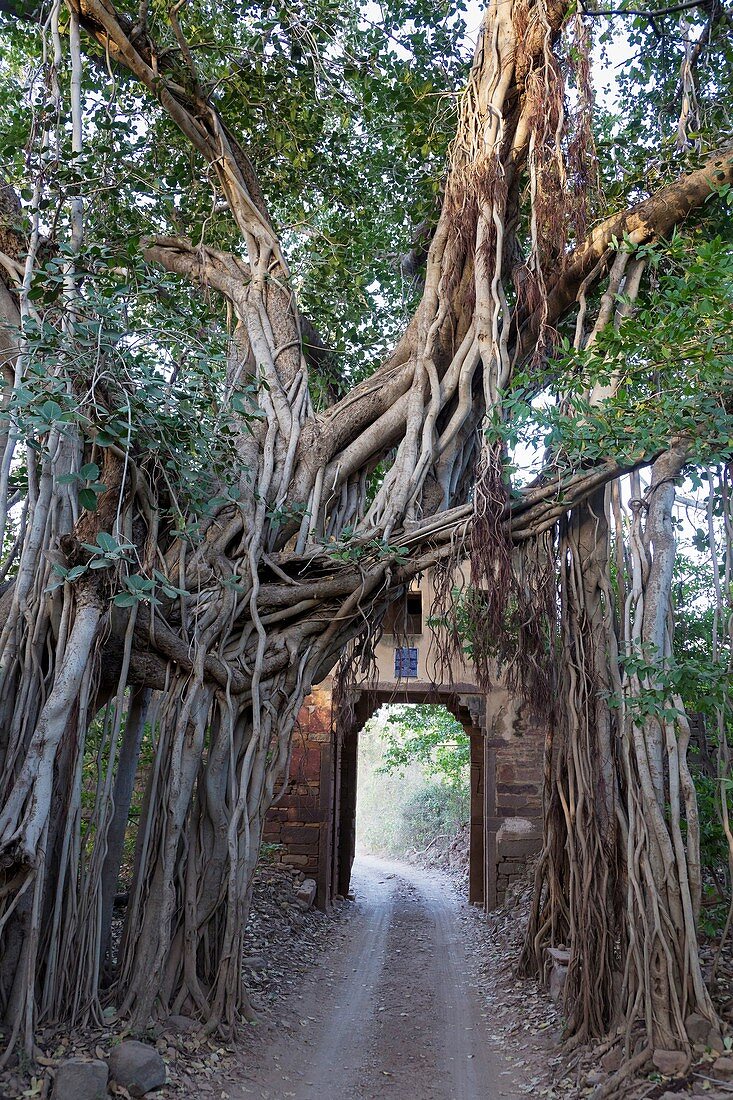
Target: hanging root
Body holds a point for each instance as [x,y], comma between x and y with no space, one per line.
[577,900]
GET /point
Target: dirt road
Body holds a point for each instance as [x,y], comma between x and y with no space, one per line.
[389,1012]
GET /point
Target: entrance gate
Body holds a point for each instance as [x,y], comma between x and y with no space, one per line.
[468,710]
[312,824]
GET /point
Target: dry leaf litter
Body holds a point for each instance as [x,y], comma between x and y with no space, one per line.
[283,943]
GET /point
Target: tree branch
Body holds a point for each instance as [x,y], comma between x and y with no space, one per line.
[651,219]
[605,12]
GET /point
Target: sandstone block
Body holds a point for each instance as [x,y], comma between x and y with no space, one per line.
[300,834]
[558,974]
[670,1062]
[310,850]
[306,895]
[519,849]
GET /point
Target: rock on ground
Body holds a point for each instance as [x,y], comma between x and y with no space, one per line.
[306,895]
[137,1067]
[670,1062]
[80,1079]
[697,1027]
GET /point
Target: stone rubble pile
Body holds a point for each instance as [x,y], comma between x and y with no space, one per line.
[285,935]
[135,1067]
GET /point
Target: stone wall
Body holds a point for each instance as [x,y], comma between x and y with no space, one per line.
[299,823]
[514,761]
[313,820]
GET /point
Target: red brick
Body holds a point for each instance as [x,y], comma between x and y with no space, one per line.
[300,834]
[304,849]
[277,813]
[520,796]
[306,792]
[307,811]
[305,764]
[528,775]
[314,719]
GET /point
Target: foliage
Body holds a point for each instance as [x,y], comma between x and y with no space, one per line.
[429,735]
[347,117]
[146,362]
[413,779]
[653,47]
[381,797]
[669,364]
[435,811]
[705,691]
[703,679]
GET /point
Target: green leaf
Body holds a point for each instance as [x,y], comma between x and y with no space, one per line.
[88,499]
[51,411]
[125,599]
[107,541]
[140,584]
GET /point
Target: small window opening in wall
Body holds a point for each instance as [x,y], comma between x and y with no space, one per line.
[413,613]
[405,663]
[404,616]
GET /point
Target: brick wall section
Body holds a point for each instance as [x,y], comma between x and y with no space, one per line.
[519,775]
[300,820]
[512,862]
[514,767]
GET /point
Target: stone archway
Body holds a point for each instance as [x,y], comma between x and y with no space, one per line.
[312,822]
[469,709]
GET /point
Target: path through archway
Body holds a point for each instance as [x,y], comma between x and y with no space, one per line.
[468,710]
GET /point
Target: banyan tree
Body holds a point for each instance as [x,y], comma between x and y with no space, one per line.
[214,477]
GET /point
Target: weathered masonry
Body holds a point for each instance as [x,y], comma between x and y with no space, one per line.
[314,819]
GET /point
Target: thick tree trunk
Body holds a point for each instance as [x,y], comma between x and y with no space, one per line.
[663,982]
[619,790]
[579,887]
